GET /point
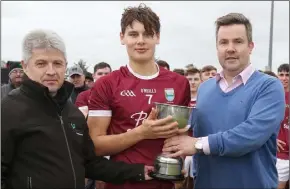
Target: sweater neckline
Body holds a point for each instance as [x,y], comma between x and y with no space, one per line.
[237,88]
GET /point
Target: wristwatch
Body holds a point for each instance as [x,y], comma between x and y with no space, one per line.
[198,146]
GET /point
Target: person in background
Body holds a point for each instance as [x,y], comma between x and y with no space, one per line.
[283,136]
[101,69]
[89,80]
[194,77]
[179,71]
[208,72]
[237,119]
[77,78]
[45,141]
[163,64]
[15,78]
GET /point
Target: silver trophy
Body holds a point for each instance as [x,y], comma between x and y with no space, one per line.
[170,168]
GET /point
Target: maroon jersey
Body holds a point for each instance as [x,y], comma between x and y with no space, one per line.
[192,102]
[83,98]
[128,98]
[284,131]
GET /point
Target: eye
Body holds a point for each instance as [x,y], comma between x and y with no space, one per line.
[223,42]
[40,63]
[133,34]
[58,63]
[146,34]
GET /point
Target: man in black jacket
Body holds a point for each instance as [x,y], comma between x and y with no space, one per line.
[45,140]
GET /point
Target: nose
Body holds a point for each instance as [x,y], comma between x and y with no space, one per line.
[140,39]
[231,48]
[50,70]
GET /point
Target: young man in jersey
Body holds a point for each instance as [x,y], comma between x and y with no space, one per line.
[101,69]
[194,77]
[122,119]
[283,137]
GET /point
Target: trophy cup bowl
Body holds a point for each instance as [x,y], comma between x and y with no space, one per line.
[166,168]
[180,114]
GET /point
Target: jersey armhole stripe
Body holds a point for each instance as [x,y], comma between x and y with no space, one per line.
[84,108]
[100,113]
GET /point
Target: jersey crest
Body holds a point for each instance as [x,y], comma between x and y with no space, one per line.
[169,94]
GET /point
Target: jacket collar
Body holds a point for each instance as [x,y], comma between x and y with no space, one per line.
[36,90]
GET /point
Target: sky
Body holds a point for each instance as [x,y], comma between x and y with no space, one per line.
[91,30]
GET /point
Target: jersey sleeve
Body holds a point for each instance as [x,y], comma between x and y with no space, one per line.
[82,99]
[100,98]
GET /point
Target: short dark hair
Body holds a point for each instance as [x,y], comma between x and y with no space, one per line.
[142,14]
[283,67]
[89,76]
[179,71]
[270,73]
[192,71]
[208,68]
[102,65]
[235,18]
[163,63]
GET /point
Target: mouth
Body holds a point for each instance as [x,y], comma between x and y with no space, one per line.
[50,81]
[141,50]
[231,58]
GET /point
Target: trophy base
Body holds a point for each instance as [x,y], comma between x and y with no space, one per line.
[159,176]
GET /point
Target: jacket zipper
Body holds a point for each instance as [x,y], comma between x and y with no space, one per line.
[69,152]
[29,183]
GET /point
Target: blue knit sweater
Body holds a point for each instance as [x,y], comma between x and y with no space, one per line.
[242,126]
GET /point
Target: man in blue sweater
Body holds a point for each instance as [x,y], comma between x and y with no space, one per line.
[237,119]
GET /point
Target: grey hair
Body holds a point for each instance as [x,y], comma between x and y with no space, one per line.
[41,39]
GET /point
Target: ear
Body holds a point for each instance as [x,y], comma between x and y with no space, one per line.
[251,47]
[122,38]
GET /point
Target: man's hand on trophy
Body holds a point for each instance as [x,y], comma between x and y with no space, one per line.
[153,128]
[180,145]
